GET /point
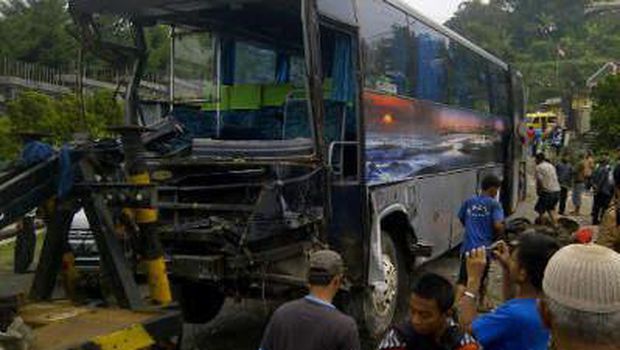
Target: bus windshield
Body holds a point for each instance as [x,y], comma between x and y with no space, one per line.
[230,89]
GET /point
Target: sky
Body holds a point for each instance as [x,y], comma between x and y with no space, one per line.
[439,10]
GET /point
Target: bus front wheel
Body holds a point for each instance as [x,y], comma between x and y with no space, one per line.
[386,303]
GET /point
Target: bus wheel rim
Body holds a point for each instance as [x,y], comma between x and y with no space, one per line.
[384,298]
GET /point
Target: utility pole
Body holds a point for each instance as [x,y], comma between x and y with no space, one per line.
[80,90]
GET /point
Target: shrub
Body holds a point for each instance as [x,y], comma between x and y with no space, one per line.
[606,113]
[60,117]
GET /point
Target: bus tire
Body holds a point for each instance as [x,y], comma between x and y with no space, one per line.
[200,302]
[384,307]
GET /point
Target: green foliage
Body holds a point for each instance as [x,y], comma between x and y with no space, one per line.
[8,142]
[158,42]
[552,42]
[42,31]
[36,31]
[61,117]
[606,113]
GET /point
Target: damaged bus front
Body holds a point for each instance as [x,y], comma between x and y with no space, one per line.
[292,125]
[262,115]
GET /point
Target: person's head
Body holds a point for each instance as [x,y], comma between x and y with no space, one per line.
[325,272]
[540,158]
[531,127]
[565,159]
[582,297]
[431,303]
[490,185]
[529,257]
[589,154]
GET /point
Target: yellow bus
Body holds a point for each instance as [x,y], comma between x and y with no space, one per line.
[542,120]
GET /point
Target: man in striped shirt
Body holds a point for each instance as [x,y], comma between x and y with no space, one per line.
[430,325]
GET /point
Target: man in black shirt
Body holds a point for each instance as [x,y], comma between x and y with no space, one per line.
[603,185]
[313,323]
[430,325]
[565,176]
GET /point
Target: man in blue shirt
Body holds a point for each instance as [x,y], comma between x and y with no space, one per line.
[483,218]
[516,324]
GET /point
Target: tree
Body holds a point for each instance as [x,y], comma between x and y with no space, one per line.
[551,42]
[8,142]
[606,113]
[42,31]
[474,20]
[36,31]
[59,117]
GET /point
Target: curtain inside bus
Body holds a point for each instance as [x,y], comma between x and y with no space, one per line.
[342,69]
[283,68]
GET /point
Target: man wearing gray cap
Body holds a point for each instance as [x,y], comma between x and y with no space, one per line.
[582,298]
[313,323]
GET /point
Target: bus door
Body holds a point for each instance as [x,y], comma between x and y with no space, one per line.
[339,55]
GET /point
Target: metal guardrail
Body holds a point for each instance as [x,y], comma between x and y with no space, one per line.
[31,72]
[35,74]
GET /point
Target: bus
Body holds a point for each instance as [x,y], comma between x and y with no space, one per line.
[358,125]
[542,120]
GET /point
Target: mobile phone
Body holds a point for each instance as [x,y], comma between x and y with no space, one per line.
[493,246]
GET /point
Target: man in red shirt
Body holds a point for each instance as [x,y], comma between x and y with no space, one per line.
[531,135]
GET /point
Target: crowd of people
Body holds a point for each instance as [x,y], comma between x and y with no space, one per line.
[556,182]
[540,140]
[560,298]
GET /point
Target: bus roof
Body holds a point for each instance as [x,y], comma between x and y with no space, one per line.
[156,9]
[168,10]
[270,21]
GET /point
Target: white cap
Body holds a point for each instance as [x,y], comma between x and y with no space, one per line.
[584,278]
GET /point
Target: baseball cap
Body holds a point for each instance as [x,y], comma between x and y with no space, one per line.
[584,278]
[325,263]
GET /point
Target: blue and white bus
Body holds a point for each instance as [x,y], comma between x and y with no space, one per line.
[358,125]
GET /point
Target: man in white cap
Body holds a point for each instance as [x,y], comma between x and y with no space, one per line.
[581,305]
[313,323]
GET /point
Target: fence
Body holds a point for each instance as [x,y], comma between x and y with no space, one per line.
[32,72]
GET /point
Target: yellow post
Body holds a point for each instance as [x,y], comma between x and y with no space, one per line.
[70,275]
[159,286]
